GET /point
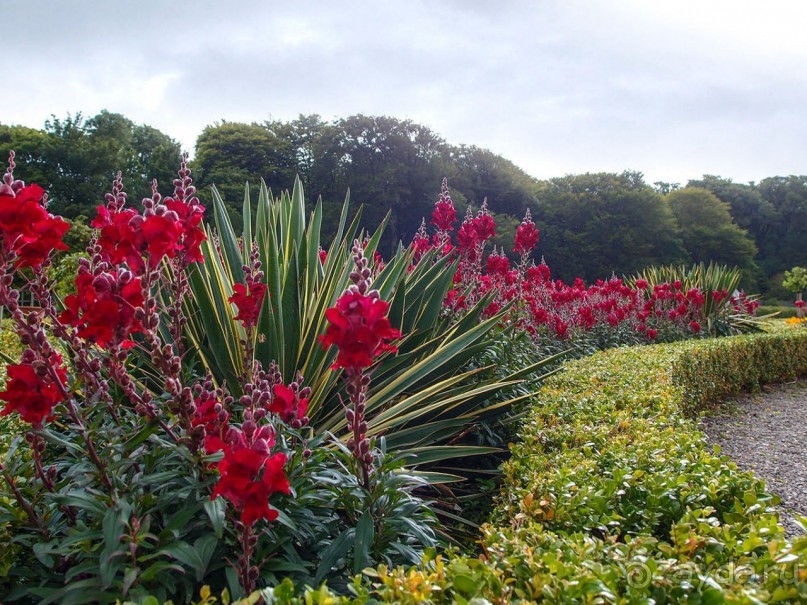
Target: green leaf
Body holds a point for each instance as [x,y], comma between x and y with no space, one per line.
[363,544]
[335,551]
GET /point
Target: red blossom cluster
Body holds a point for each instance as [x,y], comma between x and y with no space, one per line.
[547,308]
[249,472]
[34,387]
[248,297]
[526,236]
[169,229]
[248,301]
[28,233]
[104,307]
[359,328]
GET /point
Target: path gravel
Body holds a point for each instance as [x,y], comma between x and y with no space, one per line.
[767,433]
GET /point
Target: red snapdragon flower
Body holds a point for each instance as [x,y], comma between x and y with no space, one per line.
[32,396]
[121,238]
[526,236]
[359,328]
[248,304]
[287,404]
[27,229]
[444,215]
[190,215]
[248,478]
[103,308]
[214,418]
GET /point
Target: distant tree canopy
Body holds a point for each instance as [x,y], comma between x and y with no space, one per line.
[76,159]
[709,233]
[388,165]
[591,225]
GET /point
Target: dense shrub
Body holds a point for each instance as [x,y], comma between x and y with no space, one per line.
[613,496]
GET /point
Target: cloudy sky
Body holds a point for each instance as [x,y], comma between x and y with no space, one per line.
[674,89]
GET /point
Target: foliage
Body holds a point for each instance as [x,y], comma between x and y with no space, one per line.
[796,280]
[596,224]
[75,158]
[613,497]
[784,243]
[111,482]
[421,397]
[709,233]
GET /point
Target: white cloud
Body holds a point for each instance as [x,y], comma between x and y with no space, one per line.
[673,89]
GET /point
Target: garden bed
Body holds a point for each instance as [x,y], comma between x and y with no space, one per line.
[613,495]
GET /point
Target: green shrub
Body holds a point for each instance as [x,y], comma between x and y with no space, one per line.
[613,497]
[783,311]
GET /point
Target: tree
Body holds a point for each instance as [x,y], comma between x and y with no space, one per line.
[231,154]
[75,159]
[390,165]
[709,233]
[796,281]
[785,244]
[750,211]
[593,225]
[479,174]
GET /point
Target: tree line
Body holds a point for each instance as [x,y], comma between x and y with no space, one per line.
[591,225]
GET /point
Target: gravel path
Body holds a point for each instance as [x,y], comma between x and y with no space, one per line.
[767,433]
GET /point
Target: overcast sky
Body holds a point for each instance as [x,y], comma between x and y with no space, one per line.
[672,89]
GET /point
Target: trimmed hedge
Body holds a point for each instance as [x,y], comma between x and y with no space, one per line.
[613,496]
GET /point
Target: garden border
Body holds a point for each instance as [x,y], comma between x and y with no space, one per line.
[612,495]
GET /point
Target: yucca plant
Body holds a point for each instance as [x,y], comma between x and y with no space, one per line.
[420,399]
[724,313]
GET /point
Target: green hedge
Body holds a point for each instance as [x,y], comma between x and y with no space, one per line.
[613,496]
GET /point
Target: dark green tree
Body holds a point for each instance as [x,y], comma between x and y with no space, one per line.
[709,233]
[231,154]
[593,225]
[75,159]
[785,245]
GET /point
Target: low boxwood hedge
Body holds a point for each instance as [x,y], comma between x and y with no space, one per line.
[612,495]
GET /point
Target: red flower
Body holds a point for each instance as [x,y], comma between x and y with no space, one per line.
[359,328]
[26,227]
[444,215]
[103,308]
[287,404]
[485,226]
[248,305]
[32,396]
[652,334]
[241,484]
[526,236]
[798,304]
[213,417]
[466,236]
[641,284]
[190,218]
[121,238]
[161,234]
[694,326]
